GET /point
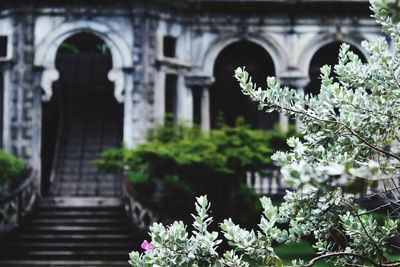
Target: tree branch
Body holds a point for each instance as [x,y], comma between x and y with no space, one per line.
[338,254]
[358,136]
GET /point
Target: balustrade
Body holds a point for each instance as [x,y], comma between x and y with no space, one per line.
[267,182]
[14,207]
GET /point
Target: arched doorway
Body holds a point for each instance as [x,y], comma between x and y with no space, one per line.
[1,105]
[326,55]
[82,119]
[226,99]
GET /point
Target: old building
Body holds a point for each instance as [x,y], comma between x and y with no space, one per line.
[77,77]
[156,57]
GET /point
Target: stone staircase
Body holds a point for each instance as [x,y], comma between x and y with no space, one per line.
[72,232]
[88,129]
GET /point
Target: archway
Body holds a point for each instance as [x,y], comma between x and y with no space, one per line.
[326,55]
[1,106]
[225,96]
[82,118]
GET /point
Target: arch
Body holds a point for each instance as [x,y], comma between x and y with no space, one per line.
[319,42]
[270,45]
[47,48]
[225,96]
[82,112]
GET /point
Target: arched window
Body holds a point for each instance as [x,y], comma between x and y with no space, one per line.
[226,97]
[1,105]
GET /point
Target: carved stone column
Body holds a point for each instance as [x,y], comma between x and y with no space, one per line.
[185,102]
[159,97]
[205,109]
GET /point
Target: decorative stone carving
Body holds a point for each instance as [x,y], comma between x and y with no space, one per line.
[117,76]
[48,77]
[46,52]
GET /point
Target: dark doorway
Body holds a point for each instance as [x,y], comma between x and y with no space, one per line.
[1,105]
[171,95]
[82,119]
[326,55]
[226,98]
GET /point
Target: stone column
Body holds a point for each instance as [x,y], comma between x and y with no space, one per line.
[6,111]
[159,97]
[130,133]
[298,123]
[205,109]
[203,83]
[185,102]
[284,122]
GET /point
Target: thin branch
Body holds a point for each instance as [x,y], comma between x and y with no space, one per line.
[354,133]
[394,77]
[369,144]
[392,264]
[375,209]
[339,254]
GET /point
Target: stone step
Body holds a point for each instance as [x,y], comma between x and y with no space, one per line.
[81,203]
[82,237]
[79,184]
[75,214]
[66,255]
[70,231]
[64,229]
[54,246]
[88,193]
[78,221]
[98,177]
[87,134]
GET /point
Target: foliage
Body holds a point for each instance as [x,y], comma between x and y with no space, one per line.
[352,127]
[192,163]
[351,144]
[330,218]
[11,168]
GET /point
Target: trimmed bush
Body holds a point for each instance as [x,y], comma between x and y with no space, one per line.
[187,163]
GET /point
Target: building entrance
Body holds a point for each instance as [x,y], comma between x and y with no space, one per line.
[82,119]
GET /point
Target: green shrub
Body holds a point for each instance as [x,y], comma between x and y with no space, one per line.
[11,168]
[192,163]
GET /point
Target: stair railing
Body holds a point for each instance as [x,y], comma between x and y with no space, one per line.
[139,213]
[14,207]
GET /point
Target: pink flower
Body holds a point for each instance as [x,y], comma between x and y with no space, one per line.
[146,245]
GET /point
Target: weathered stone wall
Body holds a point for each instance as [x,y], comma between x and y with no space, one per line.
[22,85]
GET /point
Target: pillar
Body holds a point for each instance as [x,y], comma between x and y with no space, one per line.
[185,102]
[159,97]
[205,109]
[202,83]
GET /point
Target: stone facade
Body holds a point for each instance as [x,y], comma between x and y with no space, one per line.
[291,32]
